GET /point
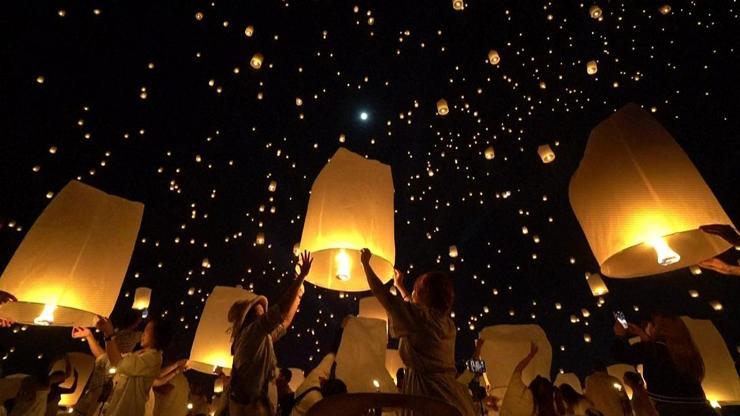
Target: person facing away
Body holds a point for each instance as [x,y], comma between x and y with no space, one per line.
[641,404]
[171,390]
[427,334]
[255,328]
[577,404]
[607,392]
[672,365]
[135,371]
[523,400]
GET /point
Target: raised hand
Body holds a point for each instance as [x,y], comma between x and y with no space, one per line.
[305,264]
[365,256]
[7,297]
[533,348]
[5,323]
[717,265]
[80,332]
[398,278]
[105,325]
[722,230]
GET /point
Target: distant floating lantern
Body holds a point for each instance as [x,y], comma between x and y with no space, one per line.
[142,297]
[596,284]
[693,293]
[592,67]
[585,312]
[298,101]
[493,57]
[71,264]
[716,305]
[458,5]
[638,198]
[453,251]
[442,108]
[665,9]
[260,239]
[543,85]
[595,12]
[342,138]
[212,343]
[587,338]
[218,385]
[272,186]
[256,61]
[546,153]
[249,31]
[489,153]
[199,16]
[350,208]
[695,270]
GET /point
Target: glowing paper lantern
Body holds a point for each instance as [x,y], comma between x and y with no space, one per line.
[493,57]
[256,61]
[296,379]
[458,5]
[636,194]
[453,251]
[84,365]
[71,264]
[617,371]
[596,284]
[721,383]
[505,346]
[218,385]
[361,357]
[570,379]
[370,307]
[489,153]
[546,153]
[260,238]
[665,9]
[249,31]
[592,67]
[393,362]
[442,108]
[212,344]
[142,296]
[272,186]
[595,12]
[351,207]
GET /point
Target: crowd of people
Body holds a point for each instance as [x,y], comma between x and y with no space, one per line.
[131,377]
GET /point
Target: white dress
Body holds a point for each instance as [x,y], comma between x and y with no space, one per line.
[135,374]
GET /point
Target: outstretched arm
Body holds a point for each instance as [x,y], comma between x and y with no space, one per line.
[376,285]
[398,282]
[526,360]
[288,303]
[95,348]
[111,346]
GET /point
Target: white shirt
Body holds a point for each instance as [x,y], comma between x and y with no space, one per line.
[135,374]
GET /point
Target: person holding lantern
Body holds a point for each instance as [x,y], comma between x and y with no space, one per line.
[731,236]
[255,328]
[6,297]
[422,321]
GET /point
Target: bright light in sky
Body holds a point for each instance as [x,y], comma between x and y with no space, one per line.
[363,116]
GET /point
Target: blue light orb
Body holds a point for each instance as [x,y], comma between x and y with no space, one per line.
[363,116]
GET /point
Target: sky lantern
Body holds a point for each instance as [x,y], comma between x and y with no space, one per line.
[546,153]
[453,251]
[596,284]
[212,344]
[71,264]
[595,12]
[256,61]
[493,57]
[489,153]
[142,297]
[505,346]
[260,238]
[721,383]
[592,67]
[84,365]
[640,200]
[272,187]
[571,379]
[617,371]
[393,362]
[665,9]
[350,207]
[442,108]
[458,5]
[249,31]
[361,357]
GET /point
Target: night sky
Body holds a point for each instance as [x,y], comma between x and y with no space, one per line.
[156,101]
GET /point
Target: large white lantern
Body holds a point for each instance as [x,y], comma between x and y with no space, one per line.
[570,379]
[617,371]
[142,297]
[721,383]
[393,362]
[84,365]
[361,357]
[351,207]
[212,344]
[640,200]
[71,264]
[505,345]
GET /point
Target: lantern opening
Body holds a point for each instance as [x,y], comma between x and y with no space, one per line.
[343,265]
[47,315]
[666,255]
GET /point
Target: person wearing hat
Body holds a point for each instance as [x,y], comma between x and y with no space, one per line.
[255,328]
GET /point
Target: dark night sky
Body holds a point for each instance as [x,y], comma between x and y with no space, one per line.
[94,66]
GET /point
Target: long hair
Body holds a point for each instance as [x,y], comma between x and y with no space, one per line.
[543,394]
[436,291]
[234,316]
[685,356]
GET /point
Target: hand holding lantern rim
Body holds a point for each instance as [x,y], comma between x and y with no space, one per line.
[305,264]
[725,231]
[6,297]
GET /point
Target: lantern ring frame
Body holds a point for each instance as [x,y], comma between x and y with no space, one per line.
[22,312]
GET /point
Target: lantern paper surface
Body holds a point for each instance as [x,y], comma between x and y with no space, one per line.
[505,345]
[596,284]
[212,344]
[546,153]
[361,357]
[617,371]
[721,382]
[636,189]
[296,379]
[351,207]
[74,257]
[571,379]
[393,362]
[84,365]
[142,297]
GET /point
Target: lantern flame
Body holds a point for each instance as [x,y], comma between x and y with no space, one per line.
[47,315]
[666,255]
[343,265]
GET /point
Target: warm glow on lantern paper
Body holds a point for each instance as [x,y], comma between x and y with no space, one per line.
[505,345]
[617,371]
[361,357]
[142,297]
[721,382]
[74,257]
[570,379]
[83,364]
[393,362]
[212,344]
[351,207]
[296,379]
[636,188]
[596,284]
